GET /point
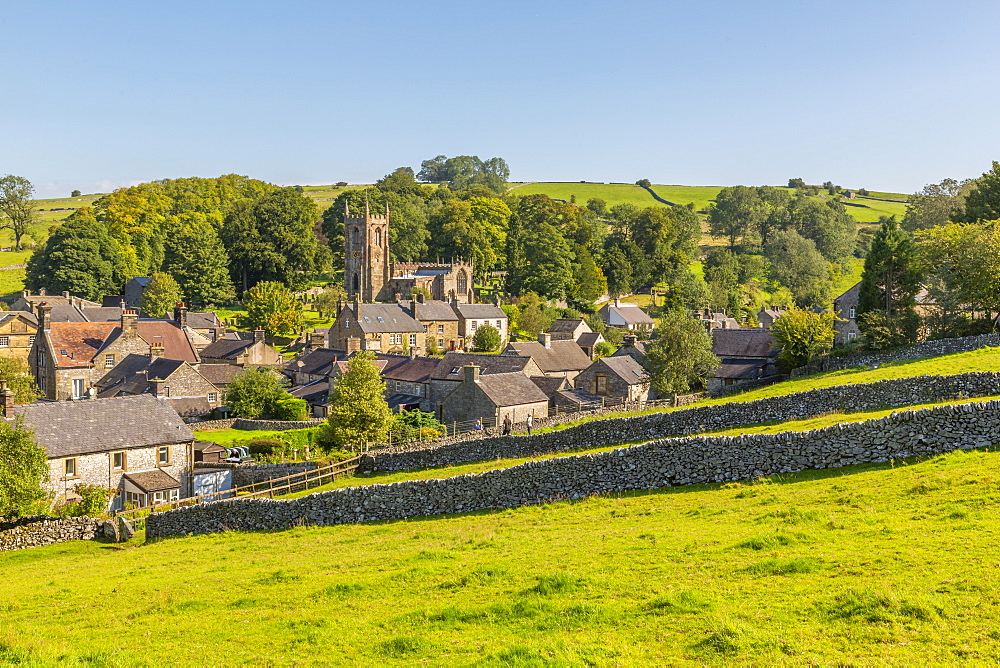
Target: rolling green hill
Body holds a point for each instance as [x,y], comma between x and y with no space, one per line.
[869,564]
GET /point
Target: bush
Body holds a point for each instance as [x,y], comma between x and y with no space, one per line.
[289,408]
[266,446]
[93,502]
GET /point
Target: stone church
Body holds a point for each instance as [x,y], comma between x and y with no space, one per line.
[369,273]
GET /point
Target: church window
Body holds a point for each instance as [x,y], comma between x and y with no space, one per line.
[463,283]
[378,237]
[356,283]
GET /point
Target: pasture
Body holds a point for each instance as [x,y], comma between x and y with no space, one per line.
[882,563]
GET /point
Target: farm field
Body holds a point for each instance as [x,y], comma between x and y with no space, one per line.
[612,193]
[883,563]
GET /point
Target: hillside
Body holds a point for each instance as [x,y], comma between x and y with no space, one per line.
[872,564]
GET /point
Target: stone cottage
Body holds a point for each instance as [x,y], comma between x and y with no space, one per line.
[563,359]
[137,445]
[617,378]
[845,327]
[492,398]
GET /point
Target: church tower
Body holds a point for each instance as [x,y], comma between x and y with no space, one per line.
[366,254]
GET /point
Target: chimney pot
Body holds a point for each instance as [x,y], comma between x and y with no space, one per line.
[130,322]
[258,335]
[545,339]
[155,352]
[6,400]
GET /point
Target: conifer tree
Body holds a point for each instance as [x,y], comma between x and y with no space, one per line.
[889,284]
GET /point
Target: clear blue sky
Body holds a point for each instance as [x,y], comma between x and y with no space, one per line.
[884,95]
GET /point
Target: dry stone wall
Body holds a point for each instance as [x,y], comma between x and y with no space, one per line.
[843,398]
[662,463]
[912,352]
[37,531]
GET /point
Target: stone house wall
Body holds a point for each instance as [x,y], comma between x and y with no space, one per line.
[444,334]
[653,465]
[98,468]
[185,381]
[851,398]
[20,334]
[617,387]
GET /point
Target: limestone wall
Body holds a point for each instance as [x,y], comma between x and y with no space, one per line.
[37,531]
[652,465]
[847,398]
[915,351]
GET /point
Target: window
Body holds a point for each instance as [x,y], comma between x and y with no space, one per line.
[851,336]
[118,461]
[425,329]
[135,500]
[440,344]
[70,467]
[499,325]
[79,388]
[163,455]
[463,283]
[166,390]
[109,361]
[852,313]
[601,383]
[4,341]
[31,340]
[347,323]
[440,329]
[413,339]
[474,323]
[213,397]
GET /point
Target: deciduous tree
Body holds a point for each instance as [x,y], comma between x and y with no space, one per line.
[680,358]
[486,339]
[196,258]
[359,414]
[17,206]
[936,204]
[19,379]
[255,392]
[160,295]
[983,201]
[803,334]
[272,307]
[24,468]
[796,264]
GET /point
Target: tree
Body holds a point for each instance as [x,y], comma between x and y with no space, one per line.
[474,229]
[803,334]
[272,307]
[271,239]
[359,414]
[983,201]
[486,339]
[618,271]
[75,193]
[466,170]
[17,206]
[796,183]
[889,283]
[400,181]
[828,225]
[326,302]
[643,183]
[962,264]
[589,283]
[196,258]
[81,257]
[680,357]
[24,468]
[539,258]
[160,295]
[416,425]
[598,206]
[19,379]
[254,391]
[796,264]
[735,214]
[937,204]
[604,349]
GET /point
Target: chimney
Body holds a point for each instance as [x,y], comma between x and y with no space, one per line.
[545,339]
[154,386]
[471,372]
[6,400]
[44,316]
[413,307]
[357,306]
[316,340]
[130,322]
[155,352]
[181,315]
[413,352]
[218,333]
[66,294]
[25,293]
[420,297]
[353,344]
[41,292]
[258,335]
[629,340]
[618,302]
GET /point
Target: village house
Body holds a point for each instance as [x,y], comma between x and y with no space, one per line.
[135,445]
[625,316]
[407,382]
[473,316]
[134,289]
[448,373]
[383,328]
[491,399]
[564,359]
[313,365]
[17,333]
[440,322]
[747,354]
[29,302]
[633,347]
[68,358]
[717,320]
[568,329]
[617,378]
[766,316]
[845,327]
[241,352]
[187,390]
[563,397]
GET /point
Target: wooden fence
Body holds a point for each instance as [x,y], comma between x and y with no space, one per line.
[296,482]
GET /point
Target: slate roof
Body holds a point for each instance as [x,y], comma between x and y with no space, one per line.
[450,367]
[561,356]
[740,368]
[190,406]
[66,312]
[203,320]
[208,446]
[625,367]
[548,384]
[156,480]
[481,311]
[590,339]
[141,280]
[431,309]
[9,315]
[395,400]
[630,314]
[67,428]
[638,351]
[226,349]
[385,318]
[102,314]
[219,374]
[315,392]
[744,342]
[128,366]
[161,368]
[566,324]
[511,389]
[582,397]
[316,362]
[415,370]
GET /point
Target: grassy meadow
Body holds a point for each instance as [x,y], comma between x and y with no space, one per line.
[888,563]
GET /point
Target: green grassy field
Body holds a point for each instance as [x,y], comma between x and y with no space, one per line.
[873,564]
[612,193]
